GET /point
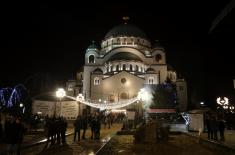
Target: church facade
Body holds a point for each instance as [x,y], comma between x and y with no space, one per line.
[121,65]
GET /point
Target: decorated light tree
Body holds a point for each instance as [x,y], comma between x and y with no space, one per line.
[15,101]
[164,96]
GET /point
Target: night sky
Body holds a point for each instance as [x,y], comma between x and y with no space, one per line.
[50,39]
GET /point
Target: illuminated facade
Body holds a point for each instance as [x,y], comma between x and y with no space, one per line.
[123,64]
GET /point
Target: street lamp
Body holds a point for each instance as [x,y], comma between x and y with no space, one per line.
[224,103]
[60,93]
[21,108]
[145,97]
[21,105]
[80,97]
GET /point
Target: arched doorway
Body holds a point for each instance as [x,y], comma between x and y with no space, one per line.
[124,96]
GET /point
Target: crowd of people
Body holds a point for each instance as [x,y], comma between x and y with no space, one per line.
[13,129]
[215,125]
[55,129]
[12,134]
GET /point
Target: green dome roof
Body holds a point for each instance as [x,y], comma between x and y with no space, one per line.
[126,30]
[93,46]
[124,56]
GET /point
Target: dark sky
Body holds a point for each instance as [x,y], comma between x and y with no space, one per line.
[51,39]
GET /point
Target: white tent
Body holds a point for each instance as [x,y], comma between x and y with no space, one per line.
[196,119]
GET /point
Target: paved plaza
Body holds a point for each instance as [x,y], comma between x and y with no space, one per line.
[84,147]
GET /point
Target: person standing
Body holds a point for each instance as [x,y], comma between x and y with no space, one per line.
[48,130]
[1,130]
[84,126]
[208,126]
[20,130]
[64,125]
[214,127]
[58,129]
[221,129]
[97,127]
[92,125]
[77,127]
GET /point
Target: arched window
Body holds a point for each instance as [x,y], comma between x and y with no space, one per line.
[117,68]
[91,59]
[111,98]
[158,57]
[124,96]
[124,67]
[150,80]
[137,68]
[118,41]
[96,81]
[130,67]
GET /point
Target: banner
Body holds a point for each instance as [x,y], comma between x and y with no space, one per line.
[67,109]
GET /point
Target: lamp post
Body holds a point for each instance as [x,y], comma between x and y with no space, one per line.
[60,93]
[21,108]
[145,98]
[79,97]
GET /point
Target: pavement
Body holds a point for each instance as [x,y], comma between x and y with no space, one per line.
[35,143]
[229,136]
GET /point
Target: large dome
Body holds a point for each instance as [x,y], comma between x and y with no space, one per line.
[126,30]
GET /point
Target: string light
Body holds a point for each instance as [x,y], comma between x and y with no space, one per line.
[108,106]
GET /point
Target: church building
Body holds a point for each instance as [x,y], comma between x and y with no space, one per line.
[123,63]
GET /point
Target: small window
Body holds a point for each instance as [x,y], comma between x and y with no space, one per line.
[111,98]
[150,80]
[123,80]
[91,59]
[136,68]
[124,67]
[158,57]
[117,68]
[181,88]
[96,81]
[130,67]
